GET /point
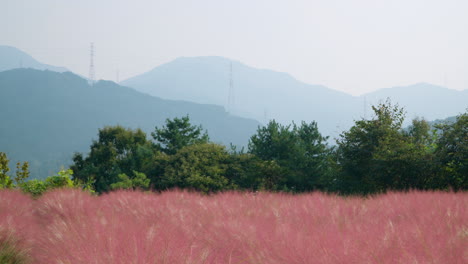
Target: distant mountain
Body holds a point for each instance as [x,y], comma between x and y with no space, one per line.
[423,100]
[46,116]
[260,94]
[432,123]
[448,120]
[12,58]
[266,94]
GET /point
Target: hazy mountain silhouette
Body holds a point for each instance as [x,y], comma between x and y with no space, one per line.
[423,100]
[266,94]
[46,116]
[260,94]
[12,58]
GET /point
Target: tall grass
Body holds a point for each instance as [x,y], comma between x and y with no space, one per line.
[17,227]
[69,226]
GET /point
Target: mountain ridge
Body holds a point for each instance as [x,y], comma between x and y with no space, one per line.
[12,58]
[265,94]
[46,116]
[259,93]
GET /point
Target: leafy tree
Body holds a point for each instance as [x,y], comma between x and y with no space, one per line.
[452,154]
[178,133]
[138,181]
[421,145]
[364,144]
[242,170]
[22,172]
[272,142]
[118,150]
[420,133]
[295,156]
[5,180]
[377,155]
[200,167]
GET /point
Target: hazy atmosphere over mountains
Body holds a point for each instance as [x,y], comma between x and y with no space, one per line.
[352,46]
[265,94]
[47,116]
[11,58]
[260,94]
[64,106]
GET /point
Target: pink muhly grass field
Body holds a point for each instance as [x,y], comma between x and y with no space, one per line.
[70,226]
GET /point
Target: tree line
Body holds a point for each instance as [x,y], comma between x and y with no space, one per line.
[373,156]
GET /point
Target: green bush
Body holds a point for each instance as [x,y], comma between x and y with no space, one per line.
[37,187]
[34,187]
[62,179]
[10,252]
[139,181]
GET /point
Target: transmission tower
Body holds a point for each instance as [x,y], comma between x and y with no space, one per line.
[231,98]
[91,64]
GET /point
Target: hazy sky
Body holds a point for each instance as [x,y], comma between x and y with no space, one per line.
[354,46]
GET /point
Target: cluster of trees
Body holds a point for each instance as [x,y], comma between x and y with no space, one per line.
[377,155]
[35,187]
[373,156]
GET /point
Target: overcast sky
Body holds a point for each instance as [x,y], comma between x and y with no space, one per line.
[354,46]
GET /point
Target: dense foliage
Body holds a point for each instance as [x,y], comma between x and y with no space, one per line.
[373,156]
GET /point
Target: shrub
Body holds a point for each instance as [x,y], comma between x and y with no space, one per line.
[17,227]
[34,187]
[10,250]
[37,187]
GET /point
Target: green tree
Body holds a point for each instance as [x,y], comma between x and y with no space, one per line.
[138,181]
[22,172]
[201,167]
[5,180]
[178,133]
[420,133]
[452,154]
[295,157]
[243,171]
[377,155]
[118,150]
[358,147]
[421,146]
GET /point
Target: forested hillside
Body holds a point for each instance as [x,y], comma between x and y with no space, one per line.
[47,116]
